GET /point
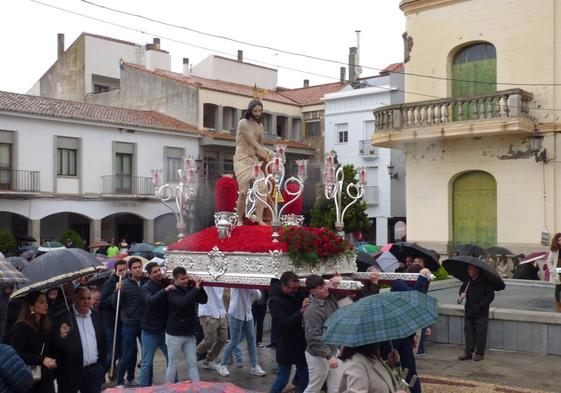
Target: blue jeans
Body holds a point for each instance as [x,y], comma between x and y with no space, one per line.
[150,342]
[237,329]
[421,346]
[177,346]
[129,351]
[283,374]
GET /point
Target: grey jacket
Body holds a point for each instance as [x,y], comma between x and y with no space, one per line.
[313,320]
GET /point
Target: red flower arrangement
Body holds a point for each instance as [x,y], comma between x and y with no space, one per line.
[307,246]
[296,206]
[226,194]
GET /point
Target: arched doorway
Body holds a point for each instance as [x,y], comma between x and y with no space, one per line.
[123,226]
[474,72]
[54,225]
[18,225]
[165,228]
[475,209]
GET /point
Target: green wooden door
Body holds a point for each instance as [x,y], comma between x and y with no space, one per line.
[474,72]
[475,209]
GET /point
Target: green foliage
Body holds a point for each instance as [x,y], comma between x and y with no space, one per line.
[72,235]
[8,244]
[441,273]
[323,212]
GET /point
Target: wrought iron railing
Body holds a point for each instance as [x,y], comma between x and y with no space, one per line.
[366,150]
[127,185]
[19,180]
[370,196]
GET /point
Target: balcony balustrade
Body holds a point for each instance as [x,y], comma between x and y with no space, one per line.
[127,185]
[15,180]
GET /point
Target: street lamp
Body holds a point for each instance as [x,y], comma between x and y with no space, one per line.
[392,172]
[536,140]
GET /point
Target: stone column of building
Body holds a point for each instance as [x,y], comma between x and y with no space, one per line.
[219,121]
[148,231]
[34,228]
[289,129]
[95,231]
[238,117]
[273,129]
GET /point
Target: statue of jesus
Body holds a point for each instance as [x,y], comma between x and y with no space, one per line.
[249,150]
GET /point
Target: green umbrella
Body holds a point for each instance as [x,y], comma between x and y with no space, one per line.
[368,248]
[379,318]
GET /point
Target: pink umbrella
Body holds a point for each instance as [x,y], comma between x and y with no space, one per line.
[533,257]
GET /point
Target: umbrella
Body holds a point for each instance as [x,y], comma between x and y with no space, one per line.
[496,250]
[141,247]
[29,254]
[457,266]
[364,261]
[368,248]
[381,317]
[470,249]
[56,267]
[9,274]
[387,262]
[184,387]
[144,260]
[99,278]
[28,247]
[160,251]
[529,258]
[26,238]
[159,261]
[51,246]
[18,262]
[99,244]
[413,249]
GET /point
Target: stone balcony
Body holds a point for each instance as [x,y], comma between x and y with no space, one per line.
[500,113]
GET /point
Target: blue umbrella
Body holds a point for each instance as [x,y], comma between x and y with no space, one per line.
[160,251]
[140,247]
[379,318]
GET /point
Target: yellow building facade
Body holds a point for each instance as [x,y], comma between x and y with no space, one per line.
[481,77]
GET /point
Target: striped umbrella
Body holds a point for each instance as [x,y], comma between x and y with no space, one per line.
[9,274]
[379,318]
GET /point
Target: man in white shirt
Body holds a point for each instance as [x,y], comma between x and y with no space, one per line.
[240,319]
[212,316]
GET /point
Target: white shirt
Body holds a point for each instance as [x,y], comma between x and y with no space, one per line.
[87,337]
[241,301]
[214,306]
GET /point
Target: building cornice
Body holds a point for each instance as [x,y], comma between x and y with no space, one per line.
[411,6]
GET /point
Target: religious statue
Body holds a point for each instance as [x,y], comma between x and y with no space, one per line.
[249,150]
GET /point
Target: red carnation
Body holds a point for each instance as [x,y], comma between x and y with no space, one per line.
[296,206]
[226,194]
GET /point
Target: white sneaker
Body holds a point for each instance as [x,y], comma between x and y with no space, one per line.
[210,365]
[222,370]
[257,371]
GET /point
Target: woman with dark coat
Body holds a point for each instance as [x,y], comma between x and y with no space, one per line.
[30,338]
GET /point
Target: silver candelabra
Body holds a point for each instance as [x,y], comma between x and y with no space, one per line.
[182,192]
[333,179]
[273,182]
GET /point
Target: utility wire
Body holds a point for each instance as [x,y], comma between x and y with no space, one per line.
[255,60]
[285,51]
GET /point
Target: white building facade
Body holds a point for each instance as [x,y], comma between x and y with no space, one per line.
[87,167]
[349,125]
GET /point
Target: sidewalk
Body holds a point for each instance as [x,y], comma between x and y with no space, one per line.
[515,369]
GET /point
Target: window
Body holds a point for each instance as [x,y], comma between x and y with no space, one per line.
[123,173]
[67,156]
[101,88]
[342,133]
[174,157]
[313,128]
[67,162]
[5,166]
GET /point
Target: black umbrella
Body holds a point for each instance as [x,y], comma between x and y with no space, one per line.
[457,266]
[26,238]
[364,261]
[57,267]
[413,249]
[496,250]
[470,249]
[99,278]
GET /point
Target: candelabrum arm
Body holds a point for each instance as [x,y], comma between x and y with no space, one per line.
[295,195]
[358,195]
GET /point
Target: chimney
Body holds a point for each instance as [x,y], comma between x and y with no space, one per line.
[156,44]
[240,55]
[342,73]
[352,63]
[60,45]
[186,69]
[306,83]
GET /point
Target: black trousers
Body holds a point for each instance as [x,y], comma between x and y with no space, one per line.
[259,311]
[475,330]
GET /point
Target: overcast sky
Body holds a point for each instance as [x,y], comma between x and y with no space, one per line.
[324,29]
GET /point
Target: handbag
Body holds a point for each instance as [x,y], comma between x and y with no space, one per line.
[36,370]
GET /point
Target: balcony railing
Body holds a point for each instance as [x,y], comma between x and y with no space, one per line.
[366,150]
[127,185]
[497,105]
[370,196]
[16,180]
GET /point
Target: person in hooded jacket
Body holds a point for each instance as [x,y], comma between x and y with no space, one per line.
[15,376]
[287,305]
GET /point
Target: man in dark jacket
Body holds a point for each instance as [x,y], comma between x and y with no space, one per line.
[182,324]
[153,322]
[287,305]
[80,351]
[15,376]
[108,314]
[130,312]
[479,295]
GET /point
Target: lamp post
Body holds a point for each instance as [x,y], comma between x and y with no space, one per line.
[182,193]
[273,182]
[333,179]
[536,140]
